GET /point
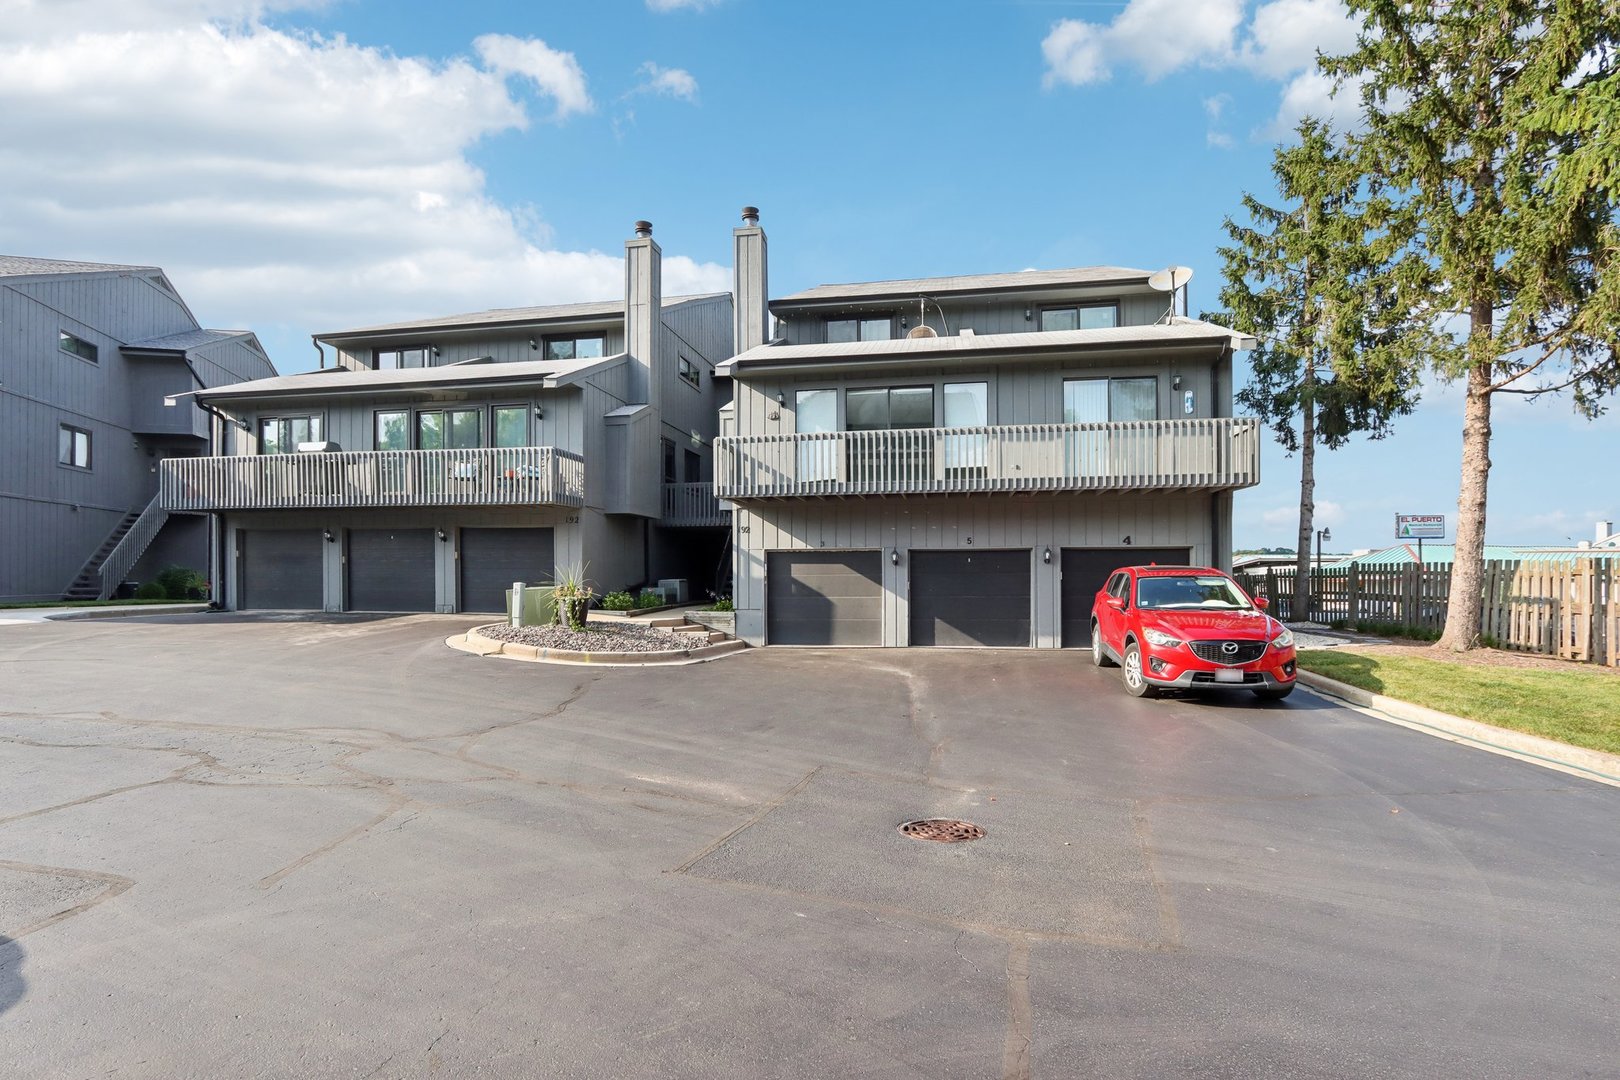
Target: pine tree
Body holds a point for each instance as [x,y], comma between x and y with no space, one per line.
[1315,288]
[1497,124]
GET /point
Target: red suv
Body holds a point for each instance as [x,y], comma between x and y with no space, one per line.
[1189,627]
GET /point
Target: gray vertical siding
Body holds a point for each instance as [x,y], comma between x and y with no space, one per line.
[990,522]
[1002,316]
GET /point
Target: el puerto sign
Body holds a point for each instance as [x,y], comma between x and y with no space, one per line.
[1420,526]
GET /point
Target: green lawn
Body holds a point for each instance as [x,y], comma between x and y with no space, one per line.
[93,603]
[1581,708]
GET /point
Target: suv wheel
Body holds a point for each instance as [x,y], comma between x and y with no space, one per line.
[1099,655]
[1136,684]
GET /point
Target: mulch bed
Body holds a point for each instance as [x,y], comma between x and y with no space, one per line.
[597,637]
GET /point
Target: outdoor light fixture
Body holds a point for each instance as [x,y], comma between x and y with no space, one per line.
[1029,314]
[1046,557]
[539,413]
[1175,382]
[781,399]
[435,349]
[326,534]
[894,556]
[533,344]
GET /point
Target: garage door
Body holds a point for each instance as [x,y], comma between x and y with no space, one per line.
[970,597]
[281,569]
[1085,570]
[391,570]
[824,598]
[491,559]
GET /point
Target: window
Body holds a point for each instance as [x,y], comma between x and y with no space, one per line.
[413,357]
[1081,316]
[282,434]
[693,464]
[450,429]
[862,328]
[689,371]
[510,425]
[889,408]
[73,446]
[575,346]
[669,462]
[967,405]
[816,411]
[1099,401]
[391,431]
[79,347]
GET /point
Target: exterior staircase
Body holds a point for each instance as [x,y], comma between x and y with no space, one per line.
[118,554]
[686,626]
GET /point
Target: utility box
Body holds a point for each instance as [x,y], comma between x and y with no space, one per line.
[674,590]
[539,607]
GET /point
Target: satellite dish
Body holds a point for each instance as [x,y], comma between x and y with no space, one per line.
[922,332]
[1170,278]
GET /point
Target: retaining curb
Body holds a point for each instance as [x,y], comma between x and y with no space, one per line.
[1548,753]
[126,612]
[479,645]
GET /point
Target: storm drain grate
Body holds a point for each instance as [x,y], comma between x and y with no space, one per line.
[942,830]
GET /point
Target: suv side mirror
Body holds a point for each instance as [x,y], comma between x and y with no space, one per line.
[1117,603]
[1262,603]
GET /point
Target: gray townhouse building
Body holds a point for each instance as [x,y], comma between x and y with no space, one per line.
[962,460]
[88,354]
[426,465]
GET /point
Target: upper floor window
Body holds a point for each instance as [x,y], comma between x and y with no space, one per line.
[1104,401]
[689,371]
[450,429]
[510,425]
[282,434]
[888,408]
[392,430]
[73,446]
[693,463]
[414,357]
[863,328]
[85,350]
[669,462]
[1081,316]
[575,346]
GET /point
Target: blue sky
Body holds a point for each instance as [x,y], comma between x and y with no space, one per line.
[300,166]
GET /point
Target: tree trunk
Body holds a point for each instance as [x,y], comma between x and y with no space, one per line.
[1468,563]
[1301,610]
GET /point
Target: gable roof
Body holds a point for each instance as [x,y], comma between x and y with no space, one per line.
[24,266]
[1178,333]
[971,284]
[334,381]
[518,316]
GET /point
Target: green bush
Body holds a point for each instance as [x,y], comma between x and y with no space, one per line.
[650,600]
[180,583]
[618,601]
[722,603]
[151,590]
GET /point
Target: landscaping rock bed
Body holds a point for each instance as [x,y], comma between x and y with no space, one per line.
[599,637]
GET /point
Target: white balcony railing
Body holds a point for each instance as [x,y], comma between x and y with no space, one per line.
[693,504]
[506,476]
[1158,455]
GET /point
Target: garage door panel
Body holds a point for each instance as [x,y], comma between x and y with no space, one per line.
[824,597]
[970,598]
[1086,570]
[491,559]
[391,570]
[281,569]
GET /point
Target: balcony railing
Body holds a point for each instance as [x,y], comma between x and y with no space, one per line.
[1158,455]
[693,504]
[507,476]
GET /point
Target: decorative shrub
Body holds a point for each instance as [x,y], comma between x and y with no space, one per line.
[180,583]
[151,590]
[618,601]
[573,593]
[722,602]
[650,600]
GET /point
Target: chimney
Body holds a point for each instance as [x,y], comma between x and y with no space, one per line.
[1605,529]
[643,311]
[748,295]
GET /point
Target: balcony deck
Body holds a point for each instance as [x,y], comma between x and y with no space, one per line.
[507,476]
[1212,454]
[692,505]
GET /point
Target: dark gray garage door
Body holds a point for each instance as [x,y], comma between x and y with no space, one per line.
[824,598]
[391,570]
[970,597]
[491,559]
[1086,570]
[281,568]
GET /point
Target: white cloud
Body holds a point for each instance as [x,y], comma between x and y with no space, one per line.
[556,73]
[670,82]
[680,5]
[1310,93]
[1074,54]
[1286,35]
[1215,106]
[1219,140]
[1158,36]
[1326,513]
[282,178]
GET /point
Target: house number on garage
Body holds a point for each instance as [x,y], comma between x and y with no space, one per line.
[969,541]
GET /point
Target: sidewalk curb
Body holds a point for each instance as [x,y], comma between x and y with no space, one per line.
[131,612]
[1590,764]
[479,645]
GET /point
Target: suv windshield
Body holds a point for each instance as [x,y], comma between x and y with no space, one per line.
[1191,591]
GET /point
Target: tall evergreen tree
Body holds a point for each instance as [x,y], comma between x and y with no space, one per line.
[1314,285]
[1498,122]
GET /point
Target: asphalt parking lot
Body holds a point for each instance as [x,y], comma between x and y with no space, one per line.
[332,847]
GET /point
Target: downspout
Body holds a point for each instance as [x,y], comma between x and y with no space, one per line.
[313,340]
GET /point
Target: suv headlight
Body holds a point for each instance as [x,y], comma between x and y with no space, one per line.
[1161,639]
[1283,640]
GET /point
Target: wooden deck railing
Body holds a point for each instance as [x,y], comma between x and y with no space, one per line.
[693,504]
[1158,455]
[507,476]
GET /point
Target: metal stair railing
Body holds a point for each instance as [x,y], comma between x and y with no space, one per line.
[122,559]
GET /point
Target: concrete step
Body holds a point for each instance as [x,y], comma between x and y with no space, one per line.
[690,628]
[667,622]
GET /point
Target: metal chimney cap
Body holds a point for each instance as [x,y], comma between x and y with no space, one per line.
[643,229]
[750,215]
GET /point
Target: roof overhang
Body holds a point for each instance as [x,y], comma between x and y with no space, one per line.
[418,382]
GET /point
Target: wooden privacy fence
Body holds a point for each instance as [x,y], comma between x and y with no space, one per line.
[1568,608]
